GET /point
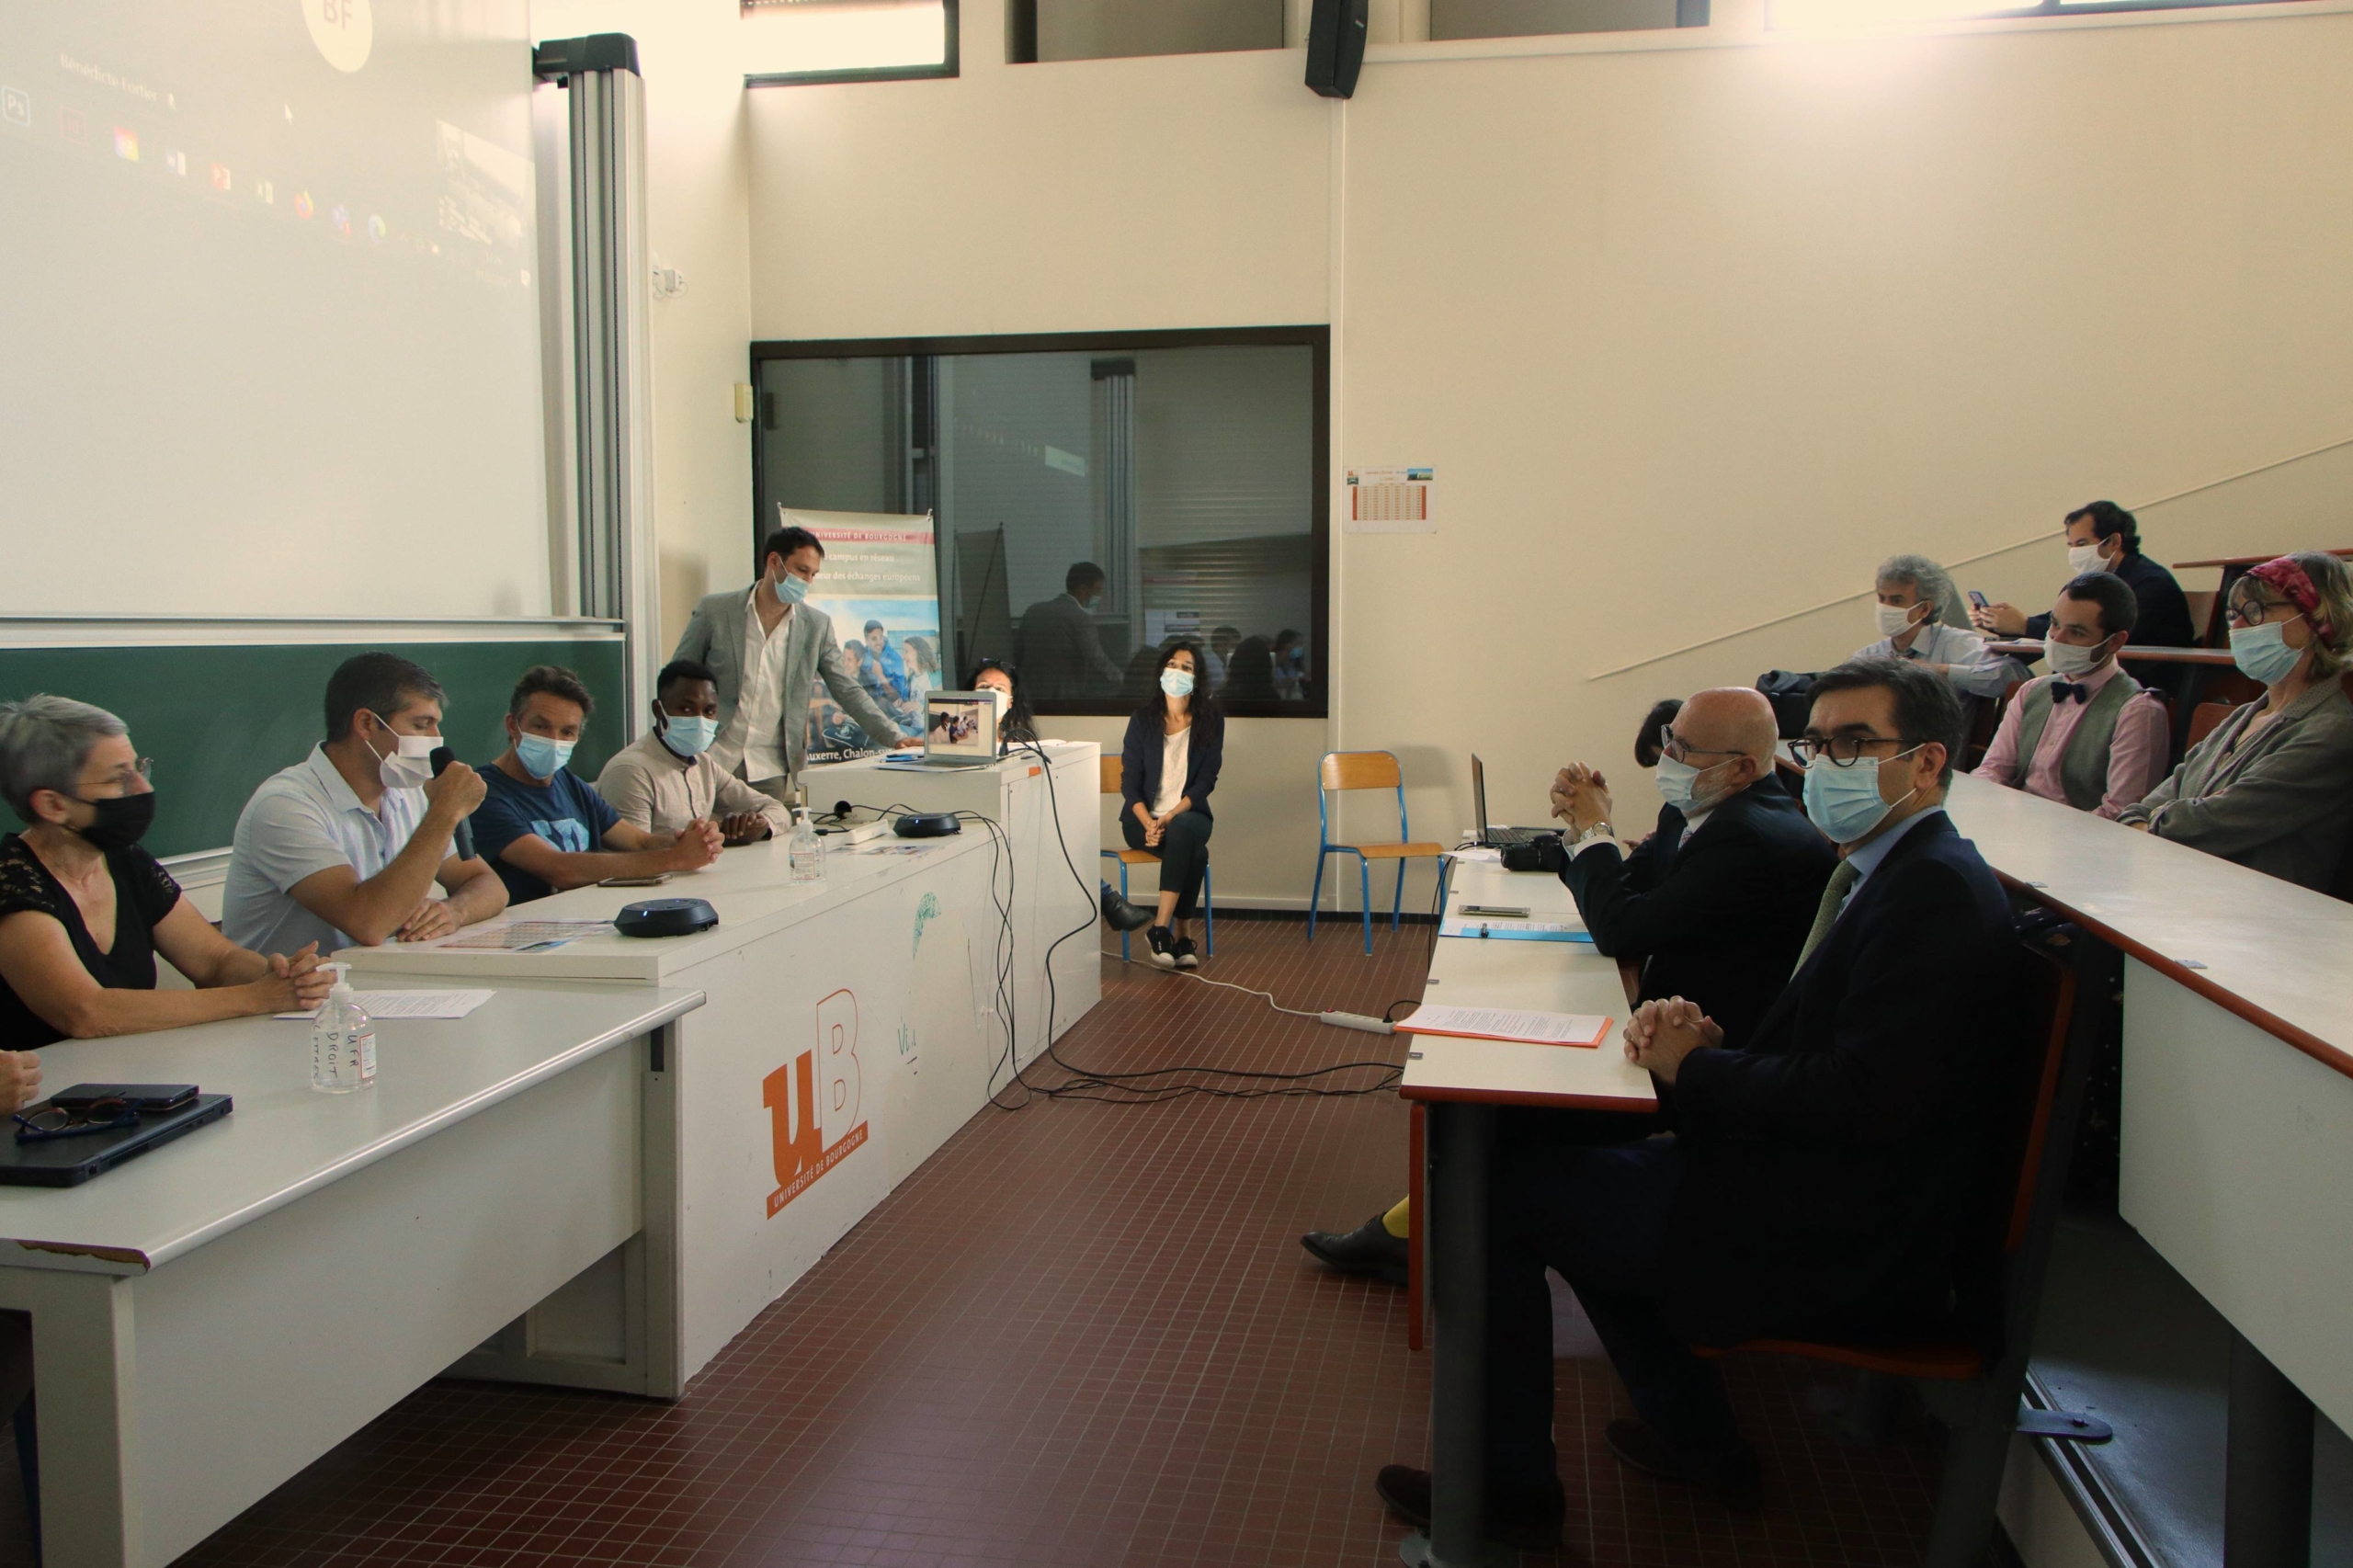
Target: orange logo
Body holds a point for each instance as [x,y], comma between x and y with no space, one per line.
[813,1103]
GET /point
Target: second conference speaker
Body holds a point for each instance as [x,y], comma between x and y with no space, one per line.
[1336,46]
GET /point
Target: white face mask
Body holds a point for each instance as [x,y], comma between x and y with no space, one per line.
[1894,620]
[2067,660]
[2083,558]
[410,763]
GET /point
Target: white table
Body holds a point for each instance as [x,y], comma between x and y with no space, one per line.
[2238,1103]
[1054,831]
[852,1025]
[212,1316]
[1463,1081]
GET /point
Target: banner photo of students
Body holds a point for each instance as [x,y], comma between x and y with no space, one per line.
[880,588]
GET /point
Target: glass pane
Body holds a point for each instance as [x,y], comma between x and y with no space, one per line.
[1105,29]
[783,40]
[1521,18]
[1184,476]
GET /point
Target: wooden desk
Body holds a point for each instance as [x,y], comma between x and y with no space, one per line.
[2238,1099]
[1463,1081]
[211,1317]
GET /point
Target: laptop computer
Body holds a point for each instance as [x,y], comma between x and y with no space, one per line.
[69,1161]
[959,731]
[1498,837]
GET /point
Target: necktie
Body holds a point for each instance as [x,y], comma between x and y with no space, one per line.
[2061,691]
[1834,897]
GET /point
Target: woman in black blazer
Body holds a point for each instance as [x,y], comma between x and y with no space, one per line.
[1167,767]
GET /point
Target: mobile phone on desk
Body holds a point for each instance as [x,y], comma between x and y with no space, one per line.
[142,1097]
[655,880]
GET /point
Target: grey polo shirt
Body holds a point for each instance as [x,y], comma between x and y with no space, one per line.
[304,820]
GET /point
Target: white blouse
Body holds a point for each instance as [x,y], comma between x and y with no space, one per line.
[1174,752]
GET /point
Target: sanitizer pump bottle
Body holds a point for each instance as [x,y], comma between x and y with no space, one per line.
[808,851]
[343,1039]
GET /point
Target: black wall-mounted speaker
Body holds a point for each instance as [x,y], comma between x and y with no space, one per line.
[1336,46]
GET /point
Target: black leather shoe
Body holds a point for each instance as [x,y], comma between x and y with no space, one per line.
[1368,1250]
[1732,1478]
[1528,1520]
[1122,916]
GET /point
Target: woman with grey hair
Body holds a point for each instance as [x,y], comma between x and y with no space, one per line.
[1920,618]
[83,910]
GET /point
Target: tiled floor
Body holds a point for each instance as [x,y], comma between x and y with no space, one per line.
[1082,1333]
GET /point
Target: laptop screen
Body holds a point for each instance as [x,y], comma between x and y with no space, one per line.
[960,724]
[1479,792]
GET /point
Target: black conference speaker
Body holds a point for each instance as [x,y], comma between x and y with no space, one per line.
[1336,46]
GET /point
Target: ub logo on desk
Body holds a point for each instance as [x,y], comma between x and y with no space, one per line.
[813,1103]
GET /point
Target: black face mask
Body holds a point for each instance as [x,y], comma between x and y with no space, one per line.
[121,822]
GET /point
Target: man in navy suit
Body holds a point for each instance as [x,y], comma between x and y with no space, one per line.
[1822,1179]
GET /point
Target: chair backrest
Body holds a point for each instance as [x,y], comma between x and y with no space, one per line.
[2204,622]
[2049,995]
[2204,717]
[1111,766]
[1361,770]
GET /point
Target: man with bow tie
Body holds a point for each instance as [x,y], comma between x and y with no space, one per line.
[2086,734]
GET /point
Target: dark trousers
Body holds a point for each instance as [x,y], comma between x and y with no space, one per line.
[1183,852]
[1598,1215]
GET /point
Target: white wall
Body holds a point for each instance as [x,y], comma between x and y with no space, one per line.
[1698,327]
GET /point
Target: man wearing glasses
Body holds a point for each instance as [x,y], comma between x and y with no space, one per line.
[1819,1177]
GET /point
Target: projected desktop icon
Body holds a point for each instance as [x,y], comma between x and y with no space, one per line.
[340,219]
[176,160]
[220,181]
[17,107]
[302,207]
[126,143]
[265,192]
[72,127]
[376,230]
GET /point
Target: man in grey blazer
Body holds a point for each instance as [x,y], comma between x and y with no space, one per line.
[766,646]
[1061,652]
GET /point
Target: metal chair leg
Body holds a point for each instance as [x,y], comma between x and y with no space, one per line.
[1316,897]
[1397,904]
[1209,914]
[1124,893]
[1364,899]
[1976,1453]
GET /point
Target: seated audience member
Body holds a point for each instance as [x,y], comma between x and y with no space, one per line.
[543,828]
[1169,762]
[1714,905]
[2272,787]
[1919,619]
[1652,733]
[1291,666]
[1822,1180]
[83,910]
[2086,734]
[1018,726]
[1250,672]
[1060,644]
[667,777]
[345,847]
[1222,642]
[2103,537]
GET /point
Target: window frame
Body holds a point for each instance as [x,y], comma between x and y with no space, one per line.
[2031,10]
[949,65]
[1317,339]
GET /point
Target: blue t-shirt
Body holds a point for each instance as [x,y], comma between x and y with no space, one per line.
[564,811]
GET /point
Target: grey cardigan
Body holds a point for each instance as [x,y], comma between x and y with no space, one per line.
[715,637]
[2281,803]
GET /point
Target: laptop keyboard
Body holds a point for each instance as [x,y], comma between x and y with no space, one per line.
[1500,838]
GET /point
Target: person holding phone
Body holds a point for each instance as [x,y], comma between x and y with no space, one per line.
[85,911]
[2103,537]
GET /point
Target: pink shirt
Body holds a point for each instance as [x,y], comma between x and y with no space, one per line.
[2136,759]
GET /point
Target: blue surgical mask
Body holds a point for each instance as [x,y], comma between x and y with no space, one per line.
[541,757]
[791,589]
[1844,803]
[1176,682]
[2262,653]
[1677,783]
[688,737]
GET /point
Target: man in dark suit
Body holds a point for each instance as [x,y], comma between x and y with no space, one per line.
[1061,650]
[1714,903]
[2104,536]
[1820,1181]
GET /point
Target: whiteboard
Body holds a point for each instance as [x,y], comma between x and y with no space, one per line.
[269,340]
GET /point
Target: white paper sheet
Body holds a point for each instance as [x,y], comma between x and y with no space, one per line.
[412,1004]
[515,935]
[1507,1023]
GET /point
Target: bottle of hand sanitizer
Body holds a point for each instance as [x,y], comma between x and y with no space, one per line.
[807,855]
[343,1039]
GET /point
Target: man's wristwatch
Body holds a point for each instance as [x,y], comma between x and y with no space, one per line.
[1598,830]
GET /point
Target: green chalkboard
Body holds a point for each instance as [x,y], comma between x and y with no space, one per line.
[218,719]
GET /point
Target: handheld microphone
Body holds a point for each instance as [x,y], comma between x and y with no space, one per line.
[462,842]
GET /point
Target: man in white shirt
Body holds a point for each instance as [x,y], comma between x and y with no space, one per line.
[1913,591]
[767,648]
[343,847]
